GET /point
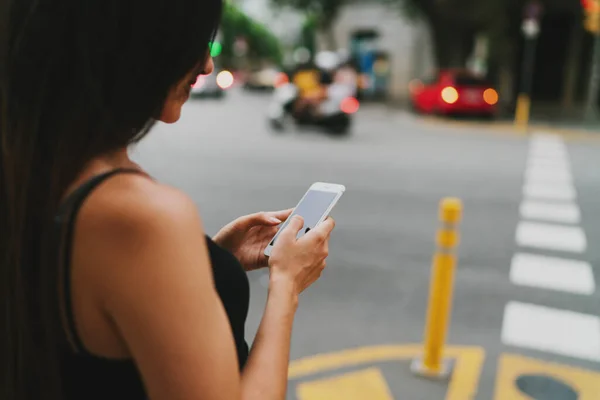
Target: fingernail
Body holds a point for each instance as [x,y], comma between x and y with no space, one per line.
[274,220]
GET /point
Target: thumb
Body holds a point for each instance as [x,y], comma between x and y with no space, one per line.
[291,230]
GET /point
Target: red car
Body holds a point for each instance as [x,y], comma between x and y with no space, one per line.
[454,92]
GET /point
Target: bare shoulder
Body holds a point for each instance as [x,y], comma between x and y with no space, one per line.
[132,224]
[148,271]
[134,204]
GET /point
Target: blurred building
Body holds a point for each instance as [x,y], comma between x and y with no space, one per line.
[285,24]
[400,48]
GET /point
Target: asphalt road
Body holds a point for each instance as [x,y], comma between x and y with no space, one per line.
[396,170]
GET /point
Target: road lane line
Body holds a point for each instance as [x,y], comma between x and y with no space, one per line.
[551,237]
[552,330]
[544,169]
[547,144]
[545,137]
[357,385]
[552,273]
[549,162]
[567,213]
[463,382]
[548,191]
[548,150]
[553,152]
[538,177]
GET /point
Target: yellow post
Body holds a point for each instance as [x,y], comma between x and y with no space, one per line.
[522,112]
[440,292]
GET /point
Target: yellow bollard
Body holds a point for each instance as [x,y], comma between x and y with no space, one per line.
[522,112]
[440,293]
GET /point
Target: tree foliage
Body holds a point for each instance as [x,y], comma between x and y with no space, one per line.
[324,12]
[262,43]
[453,22]
[308,34]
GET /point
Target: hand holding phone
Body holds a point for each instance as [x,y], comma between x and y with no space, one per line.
[300,261]
[314,207]
[300,248]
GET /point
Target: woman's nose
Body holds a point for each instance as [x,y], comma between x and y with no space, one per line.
[210,67]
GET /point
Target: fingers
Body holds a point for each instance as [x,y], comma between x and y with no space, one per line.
[291,230]
[259,218]
[272,218]
[324,229]
[283,214]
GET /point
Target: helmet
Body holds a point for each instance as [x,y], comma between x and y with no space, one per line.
[327,60]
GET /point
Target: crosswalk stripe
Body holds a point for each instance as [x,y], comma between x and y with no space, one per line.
[551,175]
[552,273]
[548,162]
[568,213]
[557,154]
[551,237]
[562,332]
[549,191]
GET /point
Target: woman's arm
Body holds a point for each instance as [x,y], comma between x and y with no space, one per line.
[155,286]
[265,374]
[157,289]
[295,265]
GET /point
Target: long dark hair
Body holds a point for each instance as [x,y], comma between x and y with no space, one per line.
[78,79]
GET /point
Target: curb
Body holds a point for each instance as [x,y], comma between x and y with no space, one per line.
[569,134]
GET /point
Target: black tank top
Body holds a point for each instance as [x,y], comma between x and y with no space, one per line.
[90,377]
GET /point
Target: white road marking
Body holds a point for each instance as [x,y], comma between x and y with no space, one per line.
[546,148]
[546,142]
[556,156]
[549,162]
[548,175]
[547,170]
[551,237]
[551,330]
[553,273]
[549,191]
[567,213]
[542,137]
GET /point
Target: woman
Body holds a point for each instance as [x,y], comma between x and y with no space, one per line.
[109,287]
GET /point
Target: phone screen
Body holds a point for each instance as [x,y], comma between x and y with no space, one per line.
[311,208]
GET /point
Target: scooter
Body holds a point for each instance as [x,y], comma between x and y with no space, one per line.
[334,114]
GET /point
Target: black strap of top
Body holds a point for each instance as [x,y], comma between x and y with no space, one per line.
[73,204]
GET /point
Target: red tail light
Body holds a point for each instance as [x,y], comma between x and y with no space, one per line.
[350,105]
[281,79]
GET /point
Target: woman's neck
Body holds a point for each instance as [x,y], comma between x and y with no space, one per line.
[104,163]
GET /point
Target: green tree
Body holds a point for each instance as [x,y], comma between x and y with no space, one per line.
[453,24]
[262,43]
[322,12]
[308,34]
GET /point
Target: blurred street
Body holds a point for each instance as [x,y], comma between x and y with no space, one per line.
[396,169]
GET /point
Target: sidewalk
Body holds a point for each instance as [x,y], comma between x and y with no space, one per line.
[550,118]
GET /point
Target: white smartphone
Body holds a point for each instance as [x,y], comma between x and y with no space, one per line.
[314,207]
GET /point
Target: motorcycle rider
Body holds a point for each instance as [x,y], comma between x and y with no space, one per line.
[313,80]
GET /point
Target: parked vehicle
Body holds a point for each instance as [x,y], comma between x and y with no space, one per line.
[454,92]
[214,85]
[263,79]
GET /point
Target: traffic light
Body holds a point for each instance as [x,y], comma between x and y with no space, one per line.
[215,49]
[591,9]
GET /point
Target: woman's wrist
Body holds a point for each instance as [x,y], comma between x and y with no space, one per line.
[283,288]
